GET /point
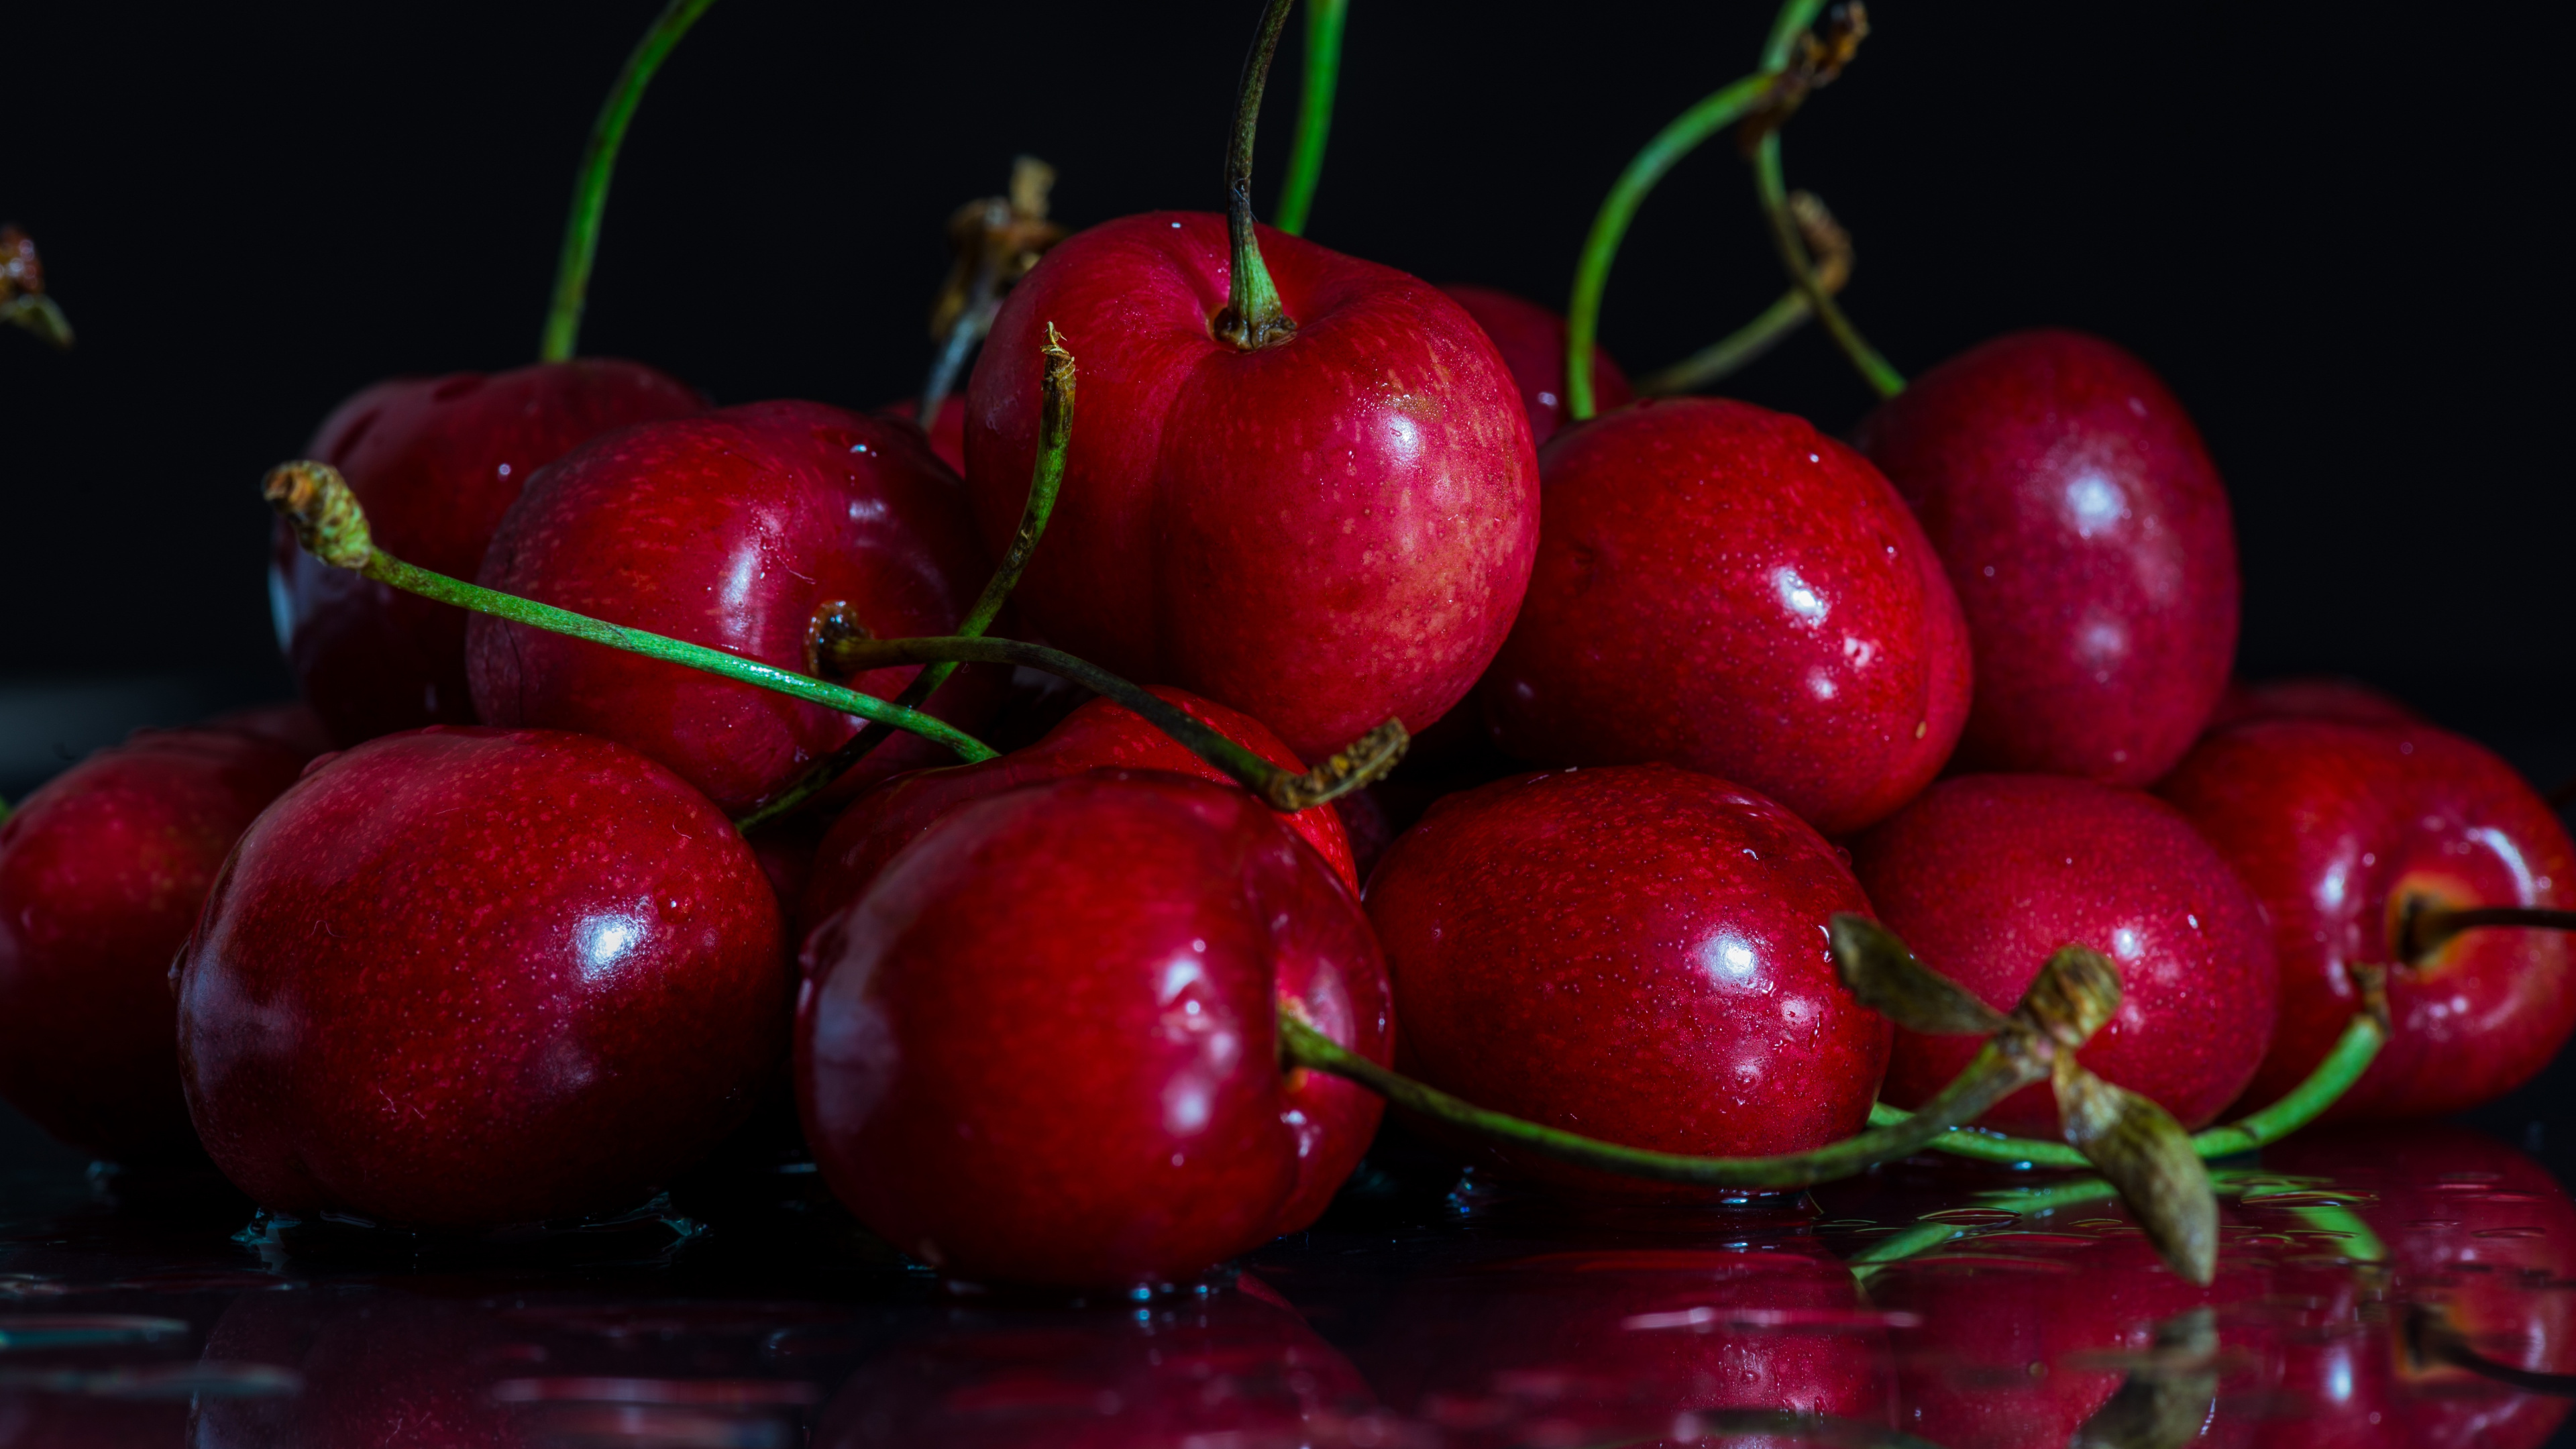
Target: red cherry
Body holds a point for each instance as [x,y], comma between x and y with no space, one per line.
[2309,696]
[101,875]
[1986,875]
[470,977]
[946,433]
[1322,532]
[1722,587]
[2336,827]
[435,461]
[1637,954]
[731,529]
[1042,1047]
[291,723]
[2089,538]
[1531,339]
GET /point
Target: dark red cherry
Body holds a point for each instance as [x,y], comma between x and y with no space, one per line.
[1531,339]
[1637,954]
[1727,589]
[2309,696]
[435,461]
[465,978]
[947,432]
[1042,1047]
[1986,875]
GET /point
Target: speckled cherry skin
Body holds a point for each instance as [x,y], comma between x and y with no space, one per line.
[2334,825]
[101,874]
[1985,876]
[730,529]
[2089,538]
[1635,953]
[1723,587]
[435,461]
[1531,339]
[1100,734]
[465,978]
[1042,1047]
[2309,696]
[1322,533]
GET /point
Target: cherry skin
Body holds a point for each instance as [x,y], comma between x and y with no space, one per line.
[1531,339]
[2336,827]
[435,461]
[947,432]
[2309,696]
[101,874]
[1323,532]
[732,529]
[1637,954]
[467,978]
[1042,1047]
[2089,538]
[1725,588]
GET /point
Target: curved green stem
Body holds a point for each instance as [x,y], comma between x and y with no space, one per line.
[1732,352]
[590,184]
[1324,23]
[1774,192]
[1796,18]
[1253,316]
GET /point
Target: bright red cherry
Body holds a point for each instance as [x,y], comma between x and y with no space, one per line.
[1637,954]
[1322,532]
[1531,339]
[1725,588]
[2309,696]
[738,529]
[435,461]
[101,875]
[2089,538]
[467,978]
[1986,875]
[2337,827]
[1042,1047]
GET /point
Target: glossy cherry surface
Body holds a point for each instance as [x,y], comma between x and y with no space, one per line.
[2089,538]
[1637,954]
[1986,875]
[731,529]
[101,874]
[1531,339]
[2336,827]
[1043,1046]
[1723,587]
[465,978]
[435,461]
[1323,532]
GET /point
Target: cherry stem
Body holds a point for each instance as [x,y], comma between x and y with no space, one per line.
[2424,926]
[1773,190]
[1253,316]
[1324,23]
[317,502]
[562,335]
[1055,436]
[2430,1339]
[1748,343]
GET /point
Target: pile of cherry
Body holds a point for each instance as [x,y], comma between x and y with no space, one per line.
[514,923]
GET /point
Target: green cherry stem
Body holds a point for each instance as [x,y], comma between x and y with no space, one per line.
[1774,193]
[1253,317]
[590,185]
[315,500]
[1324,23]
[1737,349]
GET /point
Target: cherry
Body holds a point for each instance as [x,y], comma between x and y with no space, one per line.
[1725,588]
[1531,340]
[1985,875]
[748,529]
[2309,696]
[291,723]
[101,874]
[2340,829]
[946,433]
[436,461]
[465,978]
[1638,954]
[2089,538]
[1042,1047]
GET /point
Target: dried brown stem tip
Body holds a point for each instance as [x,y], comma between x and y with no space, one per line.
[1827,242]
[316,502]
[23,302]
[996,240]
[1821,55]
[1354,765]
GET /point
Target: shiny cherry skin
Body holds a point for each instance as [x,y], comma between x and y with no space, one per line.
[1042,1048]
[2336,827]
[101,874]
[2310,696]
[1101,734]
[947,432]
[1635,953]
[2089,538]
[1986,875]
[466,978]
[1725,588]
[1323,533]
[733,529]
[435,461]
[1531,339]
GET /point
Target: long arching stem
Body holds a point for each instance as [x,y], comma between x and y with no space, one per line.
[1733,352]
[1774,192]
[1324,23]
[1253,317]
[590,185]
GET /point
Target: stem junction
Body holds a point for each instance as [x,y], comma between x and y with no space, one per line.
[1253,317]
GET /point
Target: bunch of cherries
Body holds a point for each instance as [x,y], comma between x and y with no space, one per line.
[1776,805]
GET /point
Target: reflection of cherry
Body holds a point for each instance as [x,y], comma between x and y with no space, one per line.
[1532,341]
